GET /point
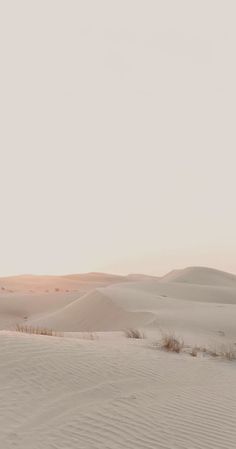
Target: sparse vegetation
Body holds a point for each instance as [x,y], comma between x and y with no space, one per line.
[37,330]
[228,353]
[194,351]
[211,352]
[223,352]
[134,333]
[171,343]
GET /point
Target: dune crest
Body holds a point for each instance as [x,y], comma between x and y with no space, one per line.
[201,275]
[94,312]
[105,390]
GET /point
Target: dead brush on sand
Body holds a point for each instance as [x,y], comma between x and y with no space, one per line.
[134,333]
[37,330]
[169,342]
[194,351]
[227,352]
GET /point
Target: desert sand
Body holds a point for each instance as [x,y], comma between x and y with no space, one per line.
[90,387]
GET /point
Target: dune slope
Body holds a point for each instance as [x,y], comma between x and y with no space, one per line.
[94,312]
[201,275]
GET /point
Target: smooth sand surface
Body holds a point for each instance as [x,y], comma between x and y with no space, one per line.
[94,312]
[29,297]
[112,392]
[201,275]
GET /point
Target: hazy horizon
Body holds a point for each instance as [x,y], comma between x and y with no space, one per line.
[127,273]
[117,143]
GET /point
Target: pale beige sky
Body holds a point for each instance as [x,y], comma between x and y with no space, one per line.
[117,142]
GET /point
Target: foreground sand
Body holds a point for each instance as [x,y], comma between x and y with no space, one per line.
[113,392]
[71,393]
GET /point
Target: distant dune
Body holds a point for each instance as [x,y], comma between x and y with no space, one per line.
[87,281]
[108,302]
[201,275]
[141,277]
[80,282]
[103,390]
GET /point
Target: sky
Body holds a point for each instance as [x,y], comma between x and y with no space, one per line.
[117,141]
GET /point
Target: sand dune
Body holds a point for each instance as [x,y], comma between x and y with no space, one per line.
[32,297]
[141,277]
[124,304]
[94,312]
[42,284]
[114,392]
[178,290]
[19,307]
[201,275]
[201,314]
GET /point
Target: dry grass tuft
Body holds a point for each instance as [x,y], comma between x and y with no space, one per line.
[228,353]
[223,352]
[212,352]
[171,343]
[37,330]
[134,333]
[194,351]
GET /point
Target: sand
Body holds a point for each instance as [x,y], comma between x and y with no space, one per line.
[113,392]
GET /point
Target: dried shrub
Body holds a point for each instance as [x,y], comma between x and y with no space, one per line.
[171,343]
[37,330]
[134,333]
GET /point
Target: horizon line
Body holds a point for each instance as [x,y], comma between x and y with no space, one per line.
[115,274]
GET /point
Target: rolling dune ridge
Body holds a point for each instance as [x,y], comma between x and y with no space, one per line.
[93,388]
